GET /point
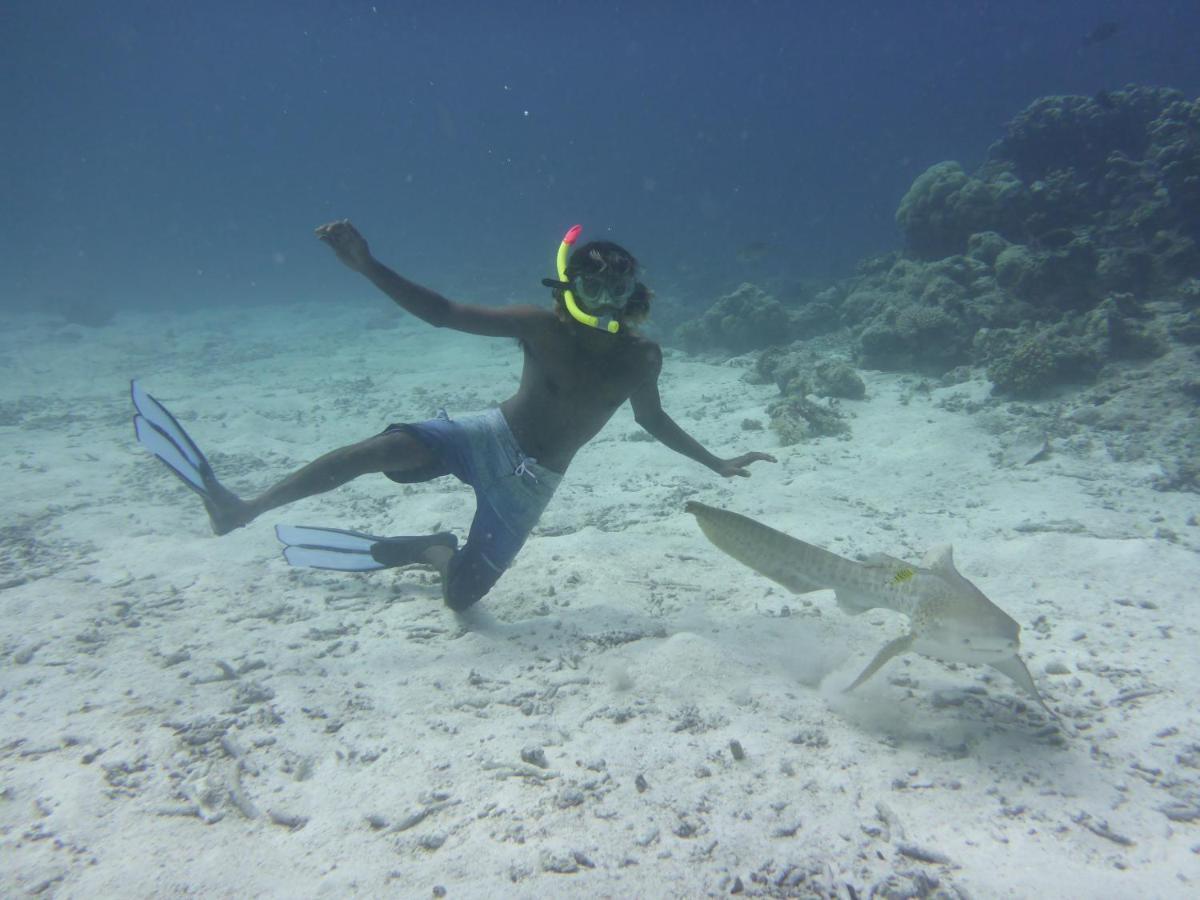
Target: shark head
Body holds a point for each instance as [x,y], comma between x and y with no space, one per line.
[955,620]
[955,634]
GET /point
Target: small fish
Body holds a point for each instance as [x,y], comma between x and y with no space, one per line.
[753,252]
[1102,32]
[950,619]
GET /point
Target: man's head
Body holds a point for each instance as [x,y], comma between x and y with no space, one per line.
[603,280]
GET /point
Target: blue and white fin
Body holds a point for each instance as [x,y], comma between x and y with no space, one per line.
[328,548]
[160,433]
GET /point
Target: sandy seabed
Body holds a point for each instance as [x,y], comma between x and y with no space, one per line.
[629,713]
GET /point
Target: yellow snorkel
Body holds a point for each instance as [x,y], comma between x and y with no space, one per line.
[604,323]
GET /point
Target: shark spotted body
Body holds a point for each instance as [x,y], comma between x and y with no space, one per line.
[950,619]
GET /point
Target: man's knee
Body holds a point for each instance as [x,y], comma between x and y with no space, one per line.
[392,451]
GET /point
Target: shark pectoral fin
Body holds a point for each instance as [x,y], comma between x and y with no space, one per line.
[1015,669]
[900,645]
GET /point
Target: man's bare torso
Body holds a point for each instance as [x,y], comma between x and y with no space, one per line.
[572,383]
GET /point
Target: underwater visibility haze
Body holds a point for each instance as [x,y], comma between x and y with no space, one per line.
[182,155]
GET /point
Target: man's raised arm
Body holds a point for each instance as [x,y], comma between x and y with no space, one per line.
[429,306]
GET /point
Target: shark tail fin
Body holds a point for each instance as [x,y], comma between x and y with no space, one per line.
[780,557]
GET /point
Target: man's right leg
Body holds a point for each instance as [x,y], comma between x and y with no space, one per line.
[491,547]
[393,451]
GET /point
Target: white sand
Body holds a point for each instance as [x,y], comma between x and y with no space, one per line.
[166,694]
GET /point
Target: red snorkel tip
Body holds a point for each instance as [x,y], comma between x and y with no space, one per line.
[572,234]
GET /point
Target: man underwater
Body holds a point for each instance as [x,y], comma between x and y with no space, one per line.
[582,361]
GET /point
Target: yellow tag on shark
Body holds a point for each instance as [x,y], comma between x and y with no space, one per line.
[902,576]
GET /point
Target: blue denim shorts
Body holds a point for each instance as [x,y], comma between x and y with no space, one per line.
[511,492]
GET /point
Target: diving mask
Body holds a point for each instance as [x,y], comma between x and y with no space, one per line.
[604,290]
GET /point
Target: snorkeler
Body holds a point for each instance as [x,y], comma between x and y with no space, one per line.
[582,361]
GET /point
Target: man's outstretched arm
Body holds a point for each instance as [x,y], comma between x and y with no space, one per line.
[429,306]
[648,412]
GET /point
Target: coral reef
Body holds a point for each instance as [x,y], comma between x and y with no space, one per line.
[1030,364]
[1083,199]
[1121,168]
[796,418]
[1039,266]
[812,377]
[1030,361]
[747,319]
[750,318]
[945,206]
[837,379]
[799,370]
[1068,258]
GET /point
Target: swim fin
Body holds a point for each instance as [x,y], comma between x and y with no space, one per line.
[339,550]
[160,433]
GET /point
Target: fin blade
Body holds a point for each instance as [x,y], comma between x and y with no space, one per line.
[331,559]
[169,454]
[167,425]
[327,538]
[892,648]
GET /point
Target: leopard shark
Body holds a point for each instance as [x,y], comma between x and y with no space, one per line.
[950,618]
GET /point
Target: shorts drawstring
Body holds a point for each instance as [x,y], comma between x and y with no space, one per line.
[523,467]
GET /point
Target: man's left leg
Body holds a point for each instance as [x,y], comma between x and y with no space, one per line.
[393,451]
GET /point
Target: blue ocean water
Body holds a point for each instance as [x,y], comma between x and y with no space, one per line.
[160,154]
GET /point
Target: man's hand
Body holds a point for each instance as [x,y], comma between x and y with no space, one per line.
[350,246]
[728,468]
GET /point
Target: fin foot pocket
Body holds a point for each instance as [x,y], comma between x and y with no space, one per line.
[340,550]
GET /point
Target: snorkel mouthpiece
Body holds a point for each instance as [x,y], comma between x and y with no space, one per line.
[604,323]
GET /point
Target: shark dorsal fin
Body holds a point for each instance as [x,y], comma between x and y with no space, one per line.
[940,559]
